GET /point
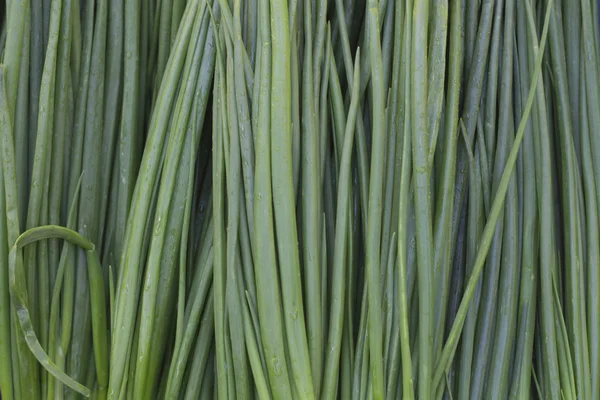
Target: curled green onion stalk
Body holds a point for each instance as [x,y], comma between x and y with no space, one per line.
[299,199]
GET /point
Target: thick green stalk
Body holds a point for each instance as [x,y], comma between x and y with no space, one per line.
[284,208]
[445,197]
[423,209]
[22,131]
[99,321]
[471,11]
[130,127]
[590,69]
[6,237]
[403,211]
[572,21]
[521,381]
[220,267]
[267,279]
[375,200]
[177,12]
[115,58]
[62,128]
[392,188]
[296,96]
[58,187]
[164,42]
[475,224]
[235,297]
[311,209]
[38,50]
[394,25]
[244,120]
[436,75]
[17,13]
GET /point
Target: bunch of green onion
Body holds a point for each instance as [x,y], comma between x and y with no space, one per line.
[299,199]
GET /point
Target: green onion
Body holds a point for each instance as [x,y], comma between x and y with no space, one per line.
[273,199]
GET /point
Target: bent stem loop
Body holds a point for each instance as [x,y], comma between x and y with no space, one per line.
[18,293]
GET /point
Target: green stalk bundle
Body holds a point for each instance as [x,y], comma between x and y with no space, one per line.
[299,199]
